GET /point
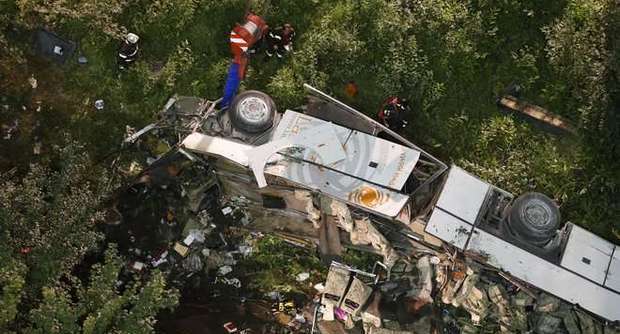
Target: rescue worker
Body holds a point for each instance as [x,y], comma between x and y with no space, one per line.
[280,40]
[393,113]
[128,51]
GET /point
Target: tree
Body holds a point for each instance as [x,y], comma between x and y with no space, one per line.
[47,226]
[49,216]
[101,307]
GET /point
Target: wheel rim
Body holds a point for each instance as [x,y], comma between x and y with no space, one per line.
[537,214]
[254,110]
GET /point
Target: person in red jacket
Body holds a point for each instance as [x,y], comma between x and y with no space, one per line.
[280,40]
[393,113]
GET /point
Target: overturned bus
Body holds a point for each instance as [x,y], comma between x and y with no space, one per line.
[328,173]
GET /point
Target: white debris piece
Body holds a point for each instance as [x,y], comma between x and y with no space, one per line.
[227,210]
[194,235]
[302,277]
[245,250]
[33,82]
[189,239]
[224,270]
[99,104]
[300,318]
[138,266]
[328,312]
[235,282]
[274,295]
[160,260]
[319,287]
[36,150]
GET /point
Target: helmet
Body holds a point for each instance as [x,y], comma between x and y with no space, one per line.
[132,38]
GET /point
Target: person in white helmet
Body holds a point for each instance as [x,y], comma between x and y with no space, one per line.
[128,51]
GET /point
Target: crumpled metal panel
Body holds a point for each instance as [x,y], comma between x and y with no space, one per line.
[368,157]
[546,275]
[463,195]
[587,254]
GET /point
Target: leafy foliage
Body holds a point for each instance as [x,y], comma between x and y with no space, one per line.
[51,213]
[46,228]
[102,308]
[275,264]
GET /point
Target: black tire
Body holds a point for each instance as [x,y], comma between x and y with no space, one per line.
[252,112]
[534,218]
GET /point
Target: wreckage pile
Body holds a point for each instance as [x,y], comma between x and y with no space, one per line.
[415,289]
[442,294]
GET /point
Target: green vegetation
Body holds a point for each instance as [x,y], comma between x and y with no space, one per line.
[451,58]
[275,265]
[47,224]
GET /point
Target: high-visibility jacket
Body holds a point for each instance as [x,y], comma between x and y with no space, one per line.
[281,38]
[128,52]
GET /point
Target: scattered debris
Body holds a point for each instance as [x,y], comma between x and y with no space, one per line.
[301,277]
[224,270]
[137,266]
[230,327]
[33,82]
[53,47]
[99,104]
[10,130]
[422,285]
[36,149]
[181,249]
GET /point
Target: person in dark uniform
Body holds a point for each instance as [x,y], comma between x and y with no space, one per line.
[280,40]
[393,113]
[128,51]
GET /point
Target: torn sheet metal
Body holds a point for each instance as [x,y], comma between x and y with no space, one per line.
[132,138]
[449,228]
[365,233]
[424,287]
[367,157]
[587,254]
[222,147]
[345,188]
[462,195]
[376,199]
[356,297]
[321,141]
[613,274]
[545,275]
